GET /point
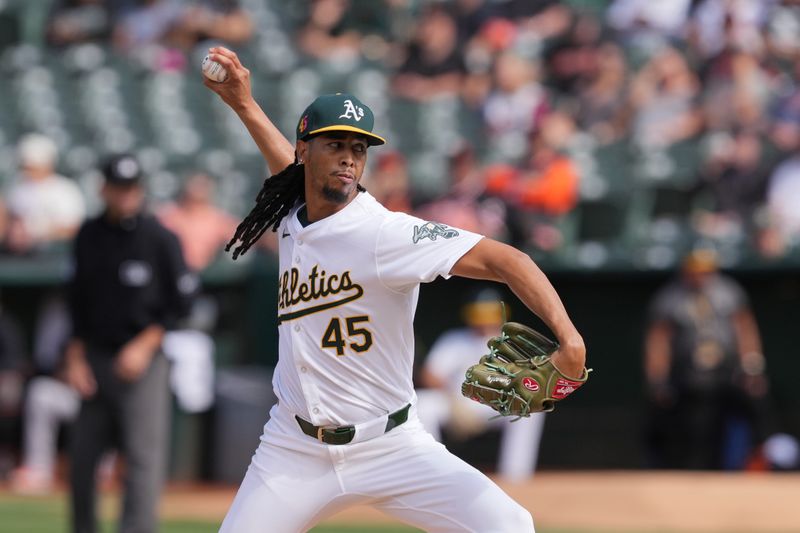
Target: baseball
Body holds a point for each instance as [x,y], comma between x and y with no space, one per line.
[213,70]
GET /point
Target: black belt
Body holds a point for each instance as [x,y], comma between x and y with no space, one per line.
[345,434]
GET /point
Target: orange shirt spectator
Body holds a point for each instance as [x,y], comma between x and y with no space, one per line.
[554,190]
[551,188]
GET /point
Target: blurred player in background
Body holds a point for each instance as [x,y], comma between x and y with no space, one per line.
[441,404]
[130,285]
[46,210]
[704,369]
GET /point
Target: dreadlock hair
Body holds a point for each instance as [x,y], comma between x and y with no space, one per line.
[274,201]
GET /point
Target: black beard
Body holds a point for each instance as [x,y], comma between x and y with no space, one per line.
[334,195]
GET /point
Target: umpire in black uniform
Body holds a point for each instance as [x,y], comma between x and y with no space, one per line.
[130,284]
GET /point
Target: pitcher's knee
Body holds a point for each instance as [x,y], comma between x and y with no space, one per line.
[510,518]
[518,520]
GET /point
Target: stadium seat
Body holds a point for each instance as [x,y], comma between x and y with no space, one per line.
[601,233]
[614,164]
[686,158]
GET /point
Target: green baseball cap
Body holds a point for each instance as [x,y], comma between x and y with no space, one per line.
[338,112]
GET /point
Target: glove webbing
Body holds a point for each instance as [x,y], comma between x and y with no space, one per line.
[501,369]
[505,398]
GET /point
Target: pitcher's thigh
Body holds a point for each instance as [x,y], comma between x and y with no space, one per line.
[441,493]
[270,502]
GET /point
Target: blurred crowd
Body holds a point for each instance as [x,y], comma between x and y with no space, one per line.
[698,98]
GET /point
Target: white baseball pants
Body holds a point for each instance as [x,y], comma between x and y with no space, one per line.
[293,482]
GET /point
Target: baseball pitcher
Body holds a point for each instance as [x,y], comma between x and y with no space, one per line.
[345,429]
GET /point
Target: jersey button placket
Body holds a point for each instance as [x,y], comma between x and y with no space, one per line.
[305,376]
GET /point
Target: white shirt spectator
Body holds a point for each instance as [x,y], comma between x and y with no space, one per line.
[668,18]
[517,111]
[510,117]
[747,18]
[45,206]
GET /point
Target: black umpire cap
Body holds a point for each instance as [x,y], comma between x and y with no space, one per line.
[122,169]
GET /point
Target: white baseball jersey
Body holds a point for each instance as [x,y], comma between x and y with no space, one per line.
[348,291]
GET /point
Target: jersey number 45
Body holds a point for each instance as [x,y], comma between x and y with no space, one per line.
[334,338]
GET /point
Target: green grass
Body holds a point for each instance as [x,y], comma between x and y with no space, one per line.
[49,515]
[45,515]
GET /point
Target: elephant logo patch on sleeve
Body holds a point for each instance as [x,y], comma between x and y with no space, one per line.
[432,231]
